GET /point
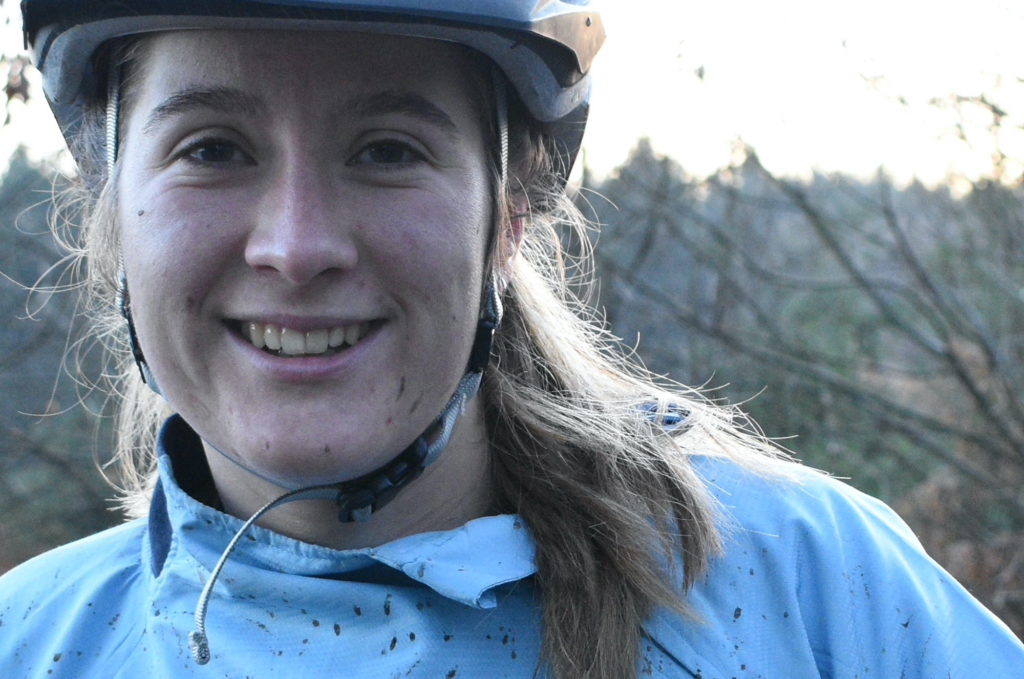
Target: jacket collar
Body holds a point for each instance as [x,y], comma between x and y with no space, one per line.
[465,564]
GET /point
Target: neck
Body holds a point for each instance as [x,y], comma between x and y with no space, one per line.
[451,491]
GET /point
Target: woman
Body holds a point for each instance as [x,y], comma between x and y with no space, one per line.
[321,243]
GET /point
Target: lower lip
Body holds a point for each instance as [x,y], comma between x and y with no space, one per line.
[298,369]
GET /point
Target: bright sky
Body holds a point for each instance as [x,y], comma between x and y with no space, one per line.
[811,84]
[808,83]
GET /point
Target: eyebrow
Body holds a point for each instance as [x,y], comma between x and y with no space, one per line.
[407,103]
[232,100]
[222,99]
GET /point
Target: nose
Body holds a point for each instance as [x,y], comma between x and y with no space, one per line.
[300,230]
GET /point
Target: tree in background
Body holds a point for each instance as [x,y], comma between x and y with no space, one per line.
[881,327]
[49,493]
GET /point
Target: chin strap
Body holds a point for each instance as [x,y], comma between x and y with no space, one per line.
[358,499]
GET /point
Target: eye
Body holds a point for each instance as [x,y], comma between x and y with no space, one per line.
[387,152]
[214,152]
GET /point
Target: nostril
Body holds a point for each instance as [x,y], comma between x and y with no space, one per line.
[300,232]
[300,263]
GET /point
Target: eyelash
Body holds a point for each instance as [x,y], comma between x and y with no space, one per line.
[189,153]
[410,156]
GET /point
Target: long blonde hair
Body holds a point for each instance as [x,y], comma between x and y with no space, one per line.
[579,450]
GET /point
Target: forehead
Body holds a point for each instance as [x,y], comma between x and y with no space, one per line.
[311,69]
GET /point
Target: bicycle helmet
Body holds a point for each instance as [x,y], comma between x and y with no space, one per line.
[543,47]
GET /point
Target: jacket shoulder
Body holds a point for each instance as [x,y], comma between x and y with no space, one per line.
[802,500]
[107,551]
[822,579]
[86,578]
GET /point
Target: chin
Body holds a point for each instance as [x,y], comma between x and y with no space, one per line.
[310,465]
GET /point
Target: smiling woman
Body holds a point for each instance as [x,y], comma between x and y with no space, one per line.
[366,427]
[262,200]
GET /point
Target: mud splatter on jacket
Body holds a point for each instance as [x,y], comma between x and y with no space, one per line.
[818,581]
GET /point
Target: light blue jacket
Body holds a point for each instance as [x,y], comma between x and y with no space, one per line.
[818,580]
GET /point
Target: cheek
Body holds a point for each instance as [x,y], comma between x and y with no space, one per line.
[165,235]
[441,229]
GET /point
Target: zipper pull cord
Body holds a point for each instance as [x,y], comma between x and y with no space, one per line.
[198,642]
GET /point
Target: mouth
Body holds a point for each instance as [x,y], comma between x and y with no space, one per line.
[285,342]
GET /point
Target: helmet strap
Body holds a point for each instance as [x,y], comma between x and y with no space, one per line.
[501,119]
[124,305]
[113,114]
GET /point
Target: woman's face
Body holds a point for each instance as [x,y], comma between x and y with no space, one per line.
[326,195]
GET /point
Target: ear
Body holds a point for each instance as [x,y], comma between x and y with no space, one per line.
[512,237]
[517,220]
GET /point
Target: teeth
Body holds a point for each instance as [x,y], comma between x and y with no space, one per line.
[316,342]
[272,337]
[291,342]
[353,333]
[256,331]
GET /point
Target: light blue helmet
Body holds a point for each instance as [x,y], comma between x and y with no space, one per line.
[544,47]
